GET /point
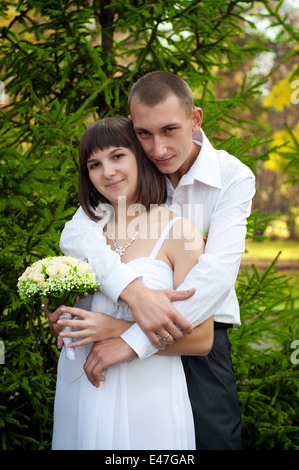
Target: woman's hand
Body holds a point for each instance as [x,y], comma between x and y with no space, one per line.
[93,326]
[53,317]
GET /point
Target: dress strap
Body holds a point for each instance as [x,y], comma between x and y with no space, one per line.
[162,237]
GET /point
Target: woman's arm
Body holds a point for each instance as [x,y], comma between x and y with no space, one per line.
[96,326]
[198,343]
[183,249]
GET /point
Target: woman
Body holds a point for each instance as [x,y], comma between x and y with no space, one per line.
[139,404]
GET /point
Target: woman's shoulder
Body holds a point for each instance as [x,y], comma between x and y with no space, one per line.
[181,230]
[184,230]
[181,226]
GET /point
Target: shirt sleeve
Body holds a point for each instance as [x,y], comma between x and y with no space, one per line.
[215,274]
[83,238]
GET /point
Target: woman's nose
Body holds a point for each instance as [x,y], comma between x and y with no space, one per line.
[108,170]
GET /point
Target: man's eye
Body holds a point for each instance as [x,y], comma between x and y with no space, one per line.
[169,130]
[142,133]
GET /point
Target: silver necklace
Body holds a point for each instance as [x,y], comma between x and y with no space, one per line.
[121,249]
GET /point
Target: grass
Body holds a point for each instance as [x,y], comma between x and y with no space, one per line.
[267,250]
[261,254]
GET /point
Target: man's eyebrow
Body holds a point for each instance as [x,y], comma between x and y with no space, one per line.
[140,129]
[167,126]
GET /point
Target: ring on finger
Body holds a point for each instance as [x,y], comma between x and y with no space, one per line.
[164,339]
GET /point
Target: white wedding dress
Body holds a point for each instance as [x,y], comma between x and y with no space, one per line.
[142,405]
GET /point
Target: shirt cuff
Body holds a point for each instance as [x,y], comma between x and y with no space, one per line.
[139,342]
[117,280]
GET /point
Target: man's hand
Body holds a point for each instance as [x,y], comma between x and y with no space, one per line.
[105,354]
[154,312]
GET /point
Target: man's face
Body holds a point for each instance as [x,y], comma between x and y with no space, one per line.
[165,133]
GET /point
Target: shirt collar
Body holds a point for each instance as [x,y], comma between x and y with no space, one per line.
[206,166]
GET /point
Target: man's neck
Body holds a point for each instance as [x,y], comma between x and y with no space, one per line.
[183,170]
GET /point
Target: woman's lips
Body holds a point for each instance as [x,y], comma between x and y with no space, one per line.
[114,184]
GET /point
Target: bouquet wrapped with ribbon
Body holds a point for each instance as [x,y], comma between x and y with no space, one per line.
[60,278]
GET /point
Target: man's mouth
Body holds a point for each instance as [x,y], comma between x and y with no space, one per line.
[163,161]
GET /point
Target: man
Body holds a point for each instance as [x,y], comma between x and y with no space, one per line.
[217,189]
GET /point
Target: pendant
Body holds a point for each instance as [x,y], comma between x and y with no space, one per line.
[120,250]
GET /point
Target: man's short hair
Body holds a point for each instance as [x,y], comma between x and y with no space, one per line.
[155,87]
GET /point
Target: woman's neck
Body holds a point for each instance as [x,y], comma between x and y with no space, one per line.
[126,221]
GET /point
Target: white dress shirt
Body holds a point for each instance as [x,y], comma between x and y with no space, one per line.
[216,194]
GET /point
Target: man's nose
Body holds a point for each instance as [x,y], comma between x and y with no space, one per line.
[159,148]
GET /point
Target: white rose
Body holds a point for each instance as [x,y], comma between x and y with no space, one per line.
[39,278]
[35,274]
[63,270]
[84,267]
[52,270]
[72,261]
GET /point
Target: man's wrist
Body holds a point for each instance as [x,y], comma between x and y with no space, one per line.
[129,294]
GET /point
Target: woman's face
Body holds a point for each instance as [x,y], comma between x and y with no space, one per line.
[114,173]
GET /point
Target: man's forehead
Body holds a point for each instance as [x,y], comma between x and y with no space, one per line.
[170,100]
[168,113]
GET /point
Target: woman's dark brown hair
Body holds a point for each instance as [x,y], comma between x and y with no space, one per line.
[117,132]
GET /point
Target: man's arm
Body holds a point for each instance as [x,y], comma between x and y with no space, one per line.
[83,238]
[215,274]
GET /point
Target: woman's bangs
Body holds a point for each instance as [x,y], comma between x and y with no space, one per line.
[102,135]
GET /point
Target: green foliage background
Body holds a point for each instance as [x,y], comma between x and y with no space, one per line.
[66,63]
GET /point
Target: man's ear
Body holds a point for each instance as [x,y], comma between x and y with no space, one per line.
[196,119]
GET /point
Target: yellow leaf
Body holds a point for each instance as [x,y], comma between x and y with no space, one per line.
[280,95]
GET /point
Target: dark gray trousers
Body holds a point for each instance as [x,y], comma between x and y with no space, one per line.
[213,395]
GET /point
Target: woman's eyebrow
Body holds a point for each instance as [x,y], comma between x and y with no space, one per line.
[117,149]
[94,159]
[90,160]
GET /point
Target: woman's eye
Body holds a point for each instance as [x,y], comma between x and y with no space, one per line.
[117,156]
[93,165]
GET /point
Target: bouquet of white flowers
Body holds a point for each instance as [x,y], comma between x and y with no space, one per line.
[60,278]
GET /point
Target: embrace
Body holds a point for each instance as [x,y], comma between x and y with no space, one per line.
[153,367]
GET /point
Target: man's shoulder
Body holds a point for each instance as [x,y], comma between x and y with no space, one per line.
[233,166]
